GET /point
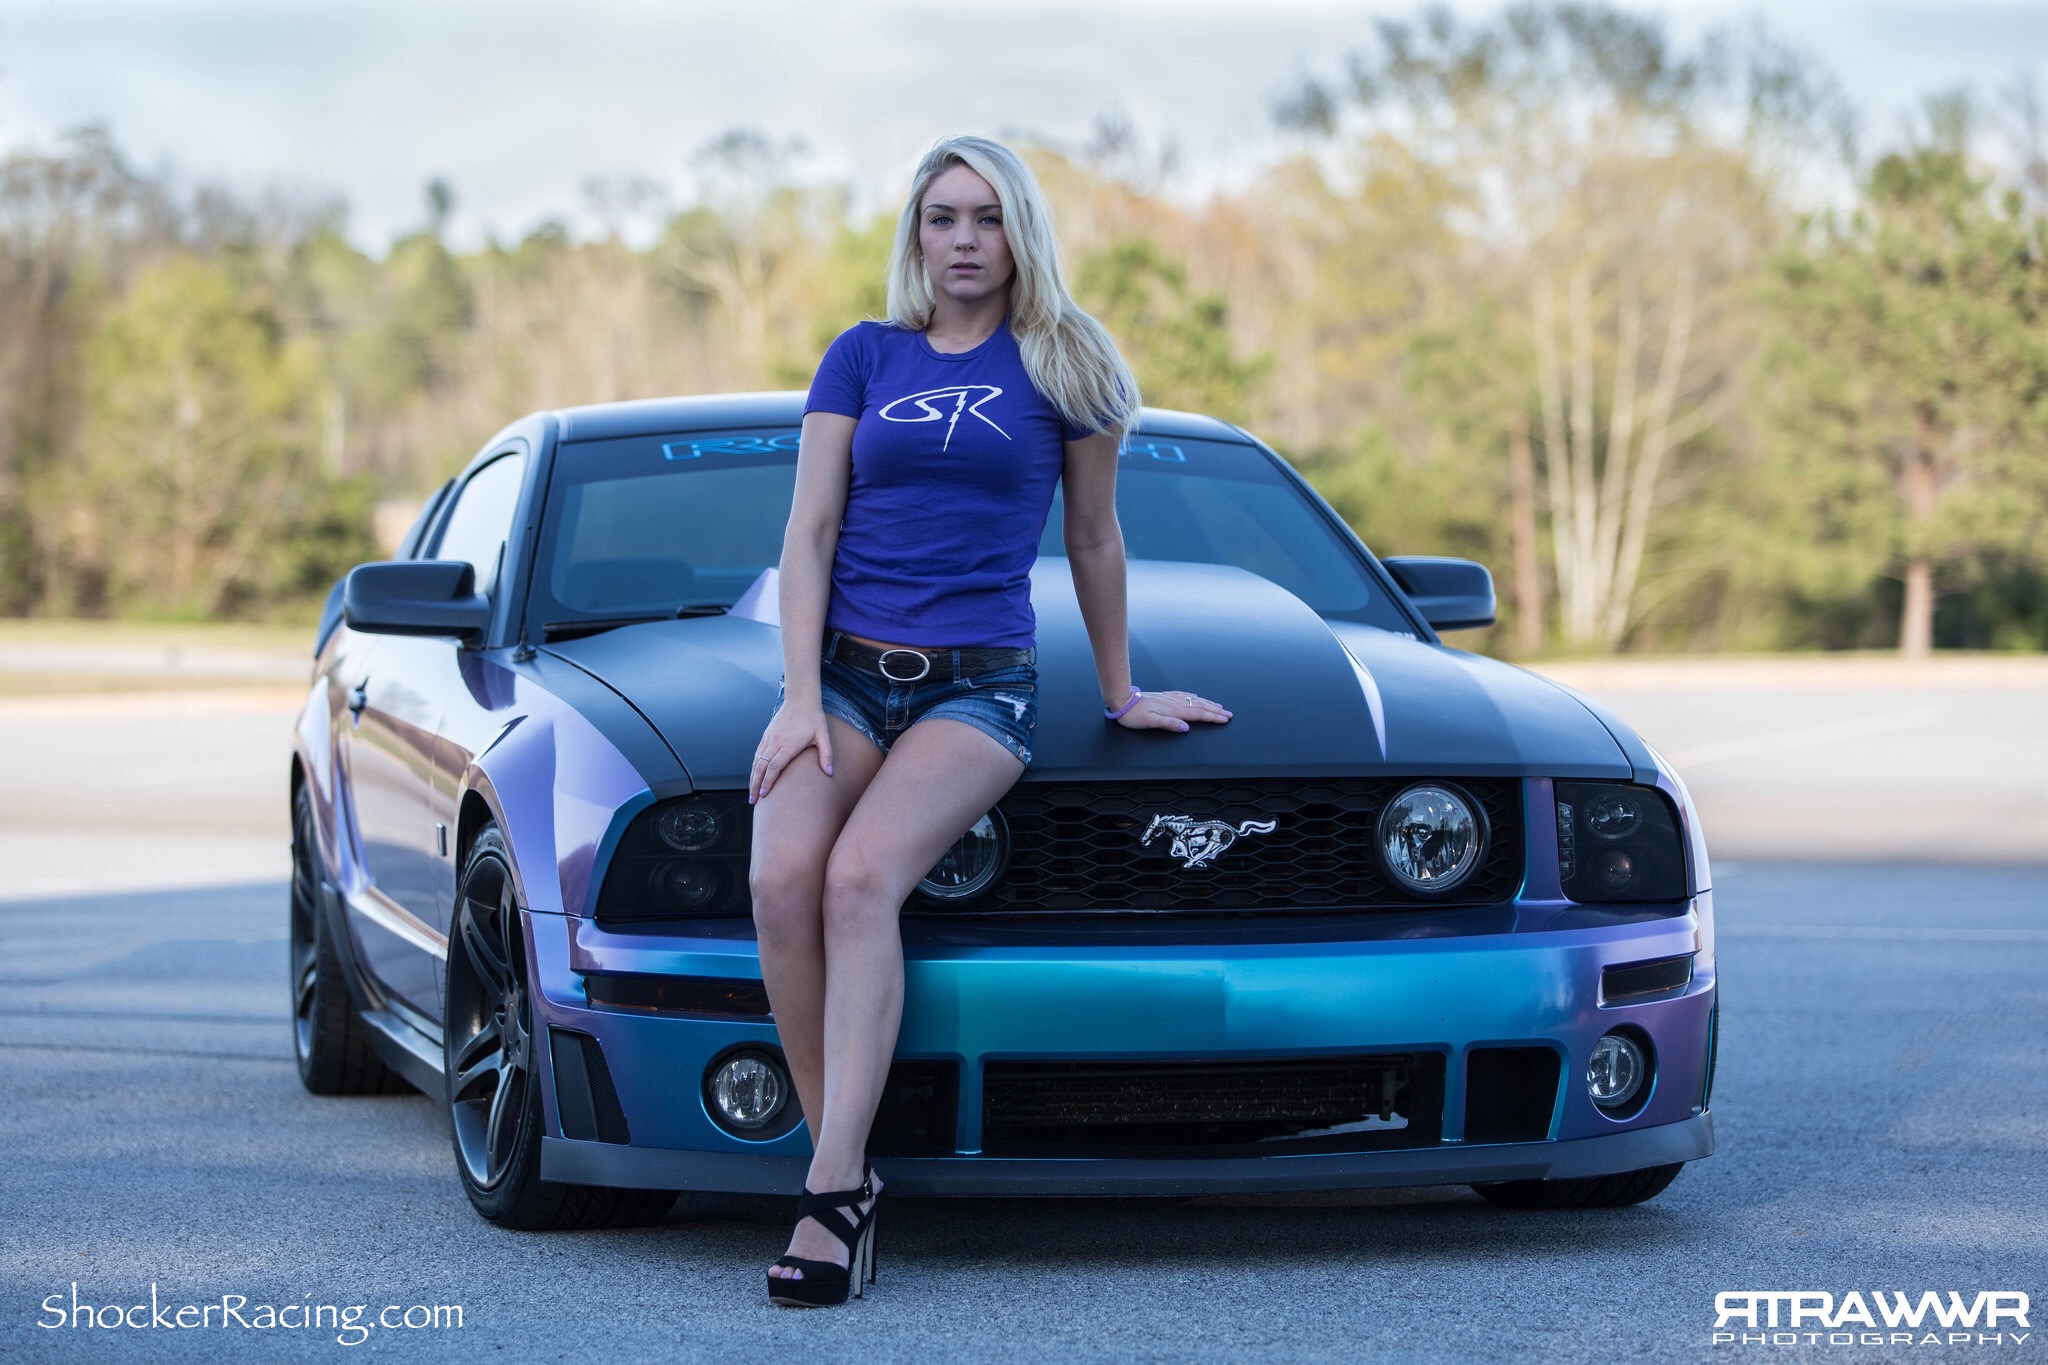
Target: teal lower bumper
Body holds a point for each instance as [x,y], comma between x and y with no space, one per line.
[1444,997]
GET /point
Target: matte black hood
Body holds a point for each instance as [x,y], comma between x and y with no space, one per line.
[1308,697]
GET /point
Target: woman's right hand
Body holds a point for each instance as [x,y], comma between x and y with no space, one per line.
[791,730]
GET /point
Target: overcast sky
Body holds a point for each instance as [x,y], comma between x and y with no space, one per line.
[518,103]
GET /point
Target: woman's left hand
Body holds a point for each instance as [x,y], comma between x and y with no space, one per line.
[1171,711]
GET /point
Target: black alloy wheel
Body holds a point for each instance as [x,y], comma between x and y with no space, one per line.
[492,1066]
[1592,1192]
[329,1039]
[490,1050]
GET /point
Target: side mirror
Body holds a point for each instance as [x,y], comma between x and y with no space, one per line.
[416,597]
[1451,594]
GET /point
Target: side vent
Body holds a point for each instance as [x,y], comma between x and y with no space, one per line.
[919,1111]
[584,1093]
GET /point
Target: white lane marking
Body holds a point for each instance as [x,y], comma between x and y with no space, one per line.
[1859,727]
[1913,933]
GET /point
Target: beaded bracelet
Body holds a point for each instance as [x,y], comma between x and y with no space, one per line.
[1123,710]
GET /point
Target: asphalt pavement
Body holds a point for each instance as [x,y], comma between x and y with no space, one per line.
[1883,1058]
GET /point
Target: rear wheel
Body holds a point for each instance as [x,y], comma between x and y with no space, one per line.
[329,1039]
[491,1058]
[1593,1192]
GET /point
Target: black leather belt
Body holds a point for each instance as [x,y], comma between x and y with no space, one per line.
[915,665]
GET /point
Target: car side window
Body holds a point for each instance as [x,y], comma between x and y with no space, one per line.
[409,548]
[482,518]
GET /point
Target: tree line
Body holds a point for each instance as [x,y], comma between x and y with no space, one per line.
[1638,325]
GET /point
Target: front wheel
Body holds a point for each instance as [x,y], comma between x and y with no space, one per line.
[490,1055]
[1592,1192]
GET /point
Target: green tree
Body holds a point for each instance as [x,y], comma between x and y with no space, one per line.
[1605,196]
[196,489]
[1904,386]
[1177,340]
[71,224]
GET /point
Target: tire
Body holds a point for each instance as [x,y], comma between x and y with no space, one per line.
[329,1039]
[490,1055]
[1593,1192]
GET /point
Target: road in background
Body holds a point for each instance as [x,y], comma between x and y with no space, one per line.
[1876,759]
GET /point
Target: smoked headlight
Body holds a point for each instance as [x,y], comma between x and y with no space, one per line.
[1618,842]
[1431,838]
[689,826]
[682,857]
[975,860]
[684,885]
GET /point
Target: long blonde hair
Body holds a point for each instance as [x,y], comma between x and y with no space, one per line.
[1068,354]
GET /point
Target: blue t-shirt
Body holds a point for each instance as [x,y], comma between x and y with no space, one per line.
[955,458]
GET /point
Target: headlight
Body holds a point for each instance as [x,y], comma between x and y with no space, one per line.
[1431,838]
[1614,815]
[682,857]
[976,859]
[684,886]
[689,826]
[1618,842]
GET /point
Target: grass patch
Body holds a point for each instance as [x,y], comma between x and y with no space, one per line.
[270,638]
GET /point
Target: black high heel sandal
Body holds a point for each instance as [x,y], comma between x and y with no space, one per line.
[823,1282]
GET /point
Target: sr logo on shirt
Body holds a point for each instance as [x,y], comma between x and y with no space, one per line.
[945,405]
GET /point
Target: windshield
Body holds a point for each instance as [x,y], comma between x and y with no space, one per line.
[649,526]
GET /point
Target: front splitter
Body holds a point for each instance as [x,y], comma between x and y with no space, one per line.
[650,1168]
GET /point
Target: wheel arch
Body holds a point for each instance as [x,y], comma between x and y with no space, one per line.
[555,786]
[475,813]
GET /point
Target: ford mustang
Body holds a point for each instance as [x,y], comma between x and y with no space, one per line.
[1414,917]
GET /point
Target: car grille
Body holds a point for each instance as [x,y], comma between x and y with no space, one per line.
[1238,1106]
[1076,847]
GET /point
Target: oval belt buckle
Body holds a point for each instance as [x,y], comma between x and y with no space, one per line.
[923,658]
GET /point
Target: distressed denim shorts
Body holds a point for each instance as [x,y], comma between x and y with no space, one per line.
[1001,703]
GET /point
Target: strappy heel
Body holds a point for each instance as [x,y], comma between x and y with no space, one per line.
[824,1283]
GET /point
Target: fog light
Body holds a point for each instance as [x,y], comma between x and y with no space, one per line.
[965,870]
[1615,1072]
[749,1090]
[1431,839]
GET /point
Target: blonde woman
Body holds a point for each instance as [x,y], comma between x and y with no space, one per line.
[931,447]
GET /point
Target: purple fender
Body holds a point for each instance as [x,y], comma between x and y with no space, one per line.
[558,786]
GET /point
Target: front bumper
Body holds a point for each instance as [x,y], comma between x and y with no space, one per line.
[969,1005]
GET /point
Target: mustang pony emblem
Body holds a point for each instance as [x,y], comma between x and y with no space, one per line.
[1197,842]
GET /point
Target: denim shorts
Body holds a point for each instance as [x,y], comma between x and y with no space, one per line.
[1001,703]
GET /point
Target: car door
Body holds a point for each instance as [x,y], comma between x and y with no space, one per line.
[401,921]
[478,531]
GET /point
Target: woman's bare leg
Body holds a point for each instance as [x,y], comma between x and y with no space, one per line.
[937,780]
[795,826]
